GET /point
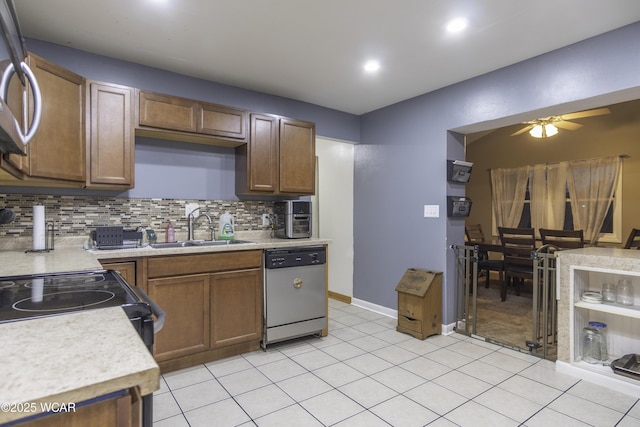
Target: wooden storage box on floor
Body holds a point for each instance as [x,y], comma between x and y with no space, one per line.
[420,303]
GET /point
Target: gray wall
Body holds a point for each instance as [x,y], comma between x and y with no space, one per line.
[400,163]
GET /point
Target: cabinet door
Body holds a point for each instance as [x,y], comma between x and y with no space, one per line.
[236,307]
[185,300]
[126,269]
[262,154]
[111,139]
[219,120]
[58,149]
[297,157]
[168,112]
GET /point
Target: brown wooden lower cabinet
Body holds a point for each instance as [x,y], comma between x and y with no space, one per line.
[123,411]
[185,300]
[213,303]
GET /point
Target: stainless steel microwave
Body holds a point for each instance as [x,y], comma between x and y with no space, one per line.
[292,219]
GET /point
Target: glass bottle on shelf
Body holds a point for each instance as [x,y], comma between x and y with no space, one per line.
[602,330]
[624,292]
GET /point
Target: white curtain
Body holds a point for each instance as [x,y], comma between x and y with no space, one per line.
[556,195]
[509,188]
[538,196]
[591,185]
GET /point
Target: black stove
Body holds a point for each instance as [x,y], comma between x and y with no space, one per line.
[32,296]
[23,297]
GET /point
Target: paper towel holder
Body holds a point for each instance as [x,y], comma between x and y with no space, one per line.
[49,243]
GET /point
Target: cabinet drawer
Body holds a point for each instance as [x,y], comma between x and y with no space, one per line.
[203,263]
[410,324]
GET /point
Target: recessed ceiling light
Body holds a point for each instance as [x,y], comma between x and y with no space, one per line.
[456,25]
[371,66]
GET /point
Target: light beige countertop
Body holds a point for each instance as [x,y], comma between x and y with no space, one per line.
[19,262]
[71,358]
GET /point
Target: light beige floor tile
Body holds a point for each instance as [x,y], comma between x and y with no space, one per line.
[387,322]
[529,389]
[331,407]
[228,366]
[442,422]
[304,386]
[394,354]
[392,336]
[545,373]
[368,364]
[348,334]
[508,404]
[244,381]
[436,398]
[186,377]
[327,341]
[550,418]
[164,388]
[369,343]
[372,316]
[175,421]
[200,394]
[338,374]
[471,349]
[367,392]
[281,369]
[294,348]
[401,411]
[398,379]
[472,414]
[365,418]
[263,401]
[635,411]
[260,357]
[226,413]
[351,320]
[629,422]
[506,361]
[448,358]
[343,351]
[165,406]
[586,411]
[419,347]
[606,397]
[291,416]
[486,372]
[369,327]
[315,359]
[464,384]
[426,368]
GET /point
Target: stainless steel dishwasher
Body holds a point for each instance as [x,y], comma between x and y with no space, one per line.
[295,295]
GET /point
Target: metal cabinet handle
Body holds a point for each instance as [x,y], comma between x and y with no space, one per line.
[297,283]
[27,136]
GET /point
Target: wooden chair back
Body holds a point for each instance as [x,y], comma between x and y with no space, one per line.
[474,233]
[633,241]
[517,246]
[562,239]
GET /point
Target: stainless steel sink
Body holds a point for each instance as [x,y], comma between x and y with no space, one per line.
[189,243]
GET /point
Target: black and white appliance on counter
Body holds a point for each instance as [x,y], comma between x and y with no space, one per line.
[32,296]
[292,219]
[13,136]
[295,298]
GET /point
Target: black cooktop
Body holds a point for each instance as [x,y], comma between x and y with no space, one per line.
[23,297]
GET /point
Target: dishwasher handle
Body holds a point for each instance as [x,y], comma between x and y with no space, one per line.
[161,316]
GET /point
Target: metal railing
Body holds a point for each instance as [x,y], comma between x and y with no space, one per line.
[466,287]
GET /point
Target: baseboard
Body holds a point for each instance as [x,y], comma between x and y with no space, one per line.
[446,329]
[339,297]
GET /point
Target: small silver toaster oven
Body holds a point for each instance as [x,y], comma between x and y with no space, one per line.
[292,219]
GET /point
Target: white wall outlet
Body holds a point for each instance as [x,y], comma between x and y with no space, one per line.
[431,211]
[266,221]
[191,207]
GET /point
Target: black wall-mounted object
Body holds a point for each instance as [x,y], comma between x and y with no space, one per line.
[458,207]
[458,171]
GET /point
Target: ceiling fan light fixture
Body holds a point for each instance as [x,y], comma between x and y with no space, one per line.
[543,130]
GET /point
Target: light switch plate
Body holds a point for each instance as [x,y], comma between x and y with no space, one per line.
[265,220]
[190,207]
[431,211]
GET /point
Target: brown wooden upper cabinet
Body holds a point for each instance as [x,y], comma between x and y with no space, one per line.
[189,120]
[110,136]
[279,158]
[57,152]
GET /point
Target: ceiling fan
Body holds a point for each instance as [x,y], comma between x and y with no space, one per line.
[548,126]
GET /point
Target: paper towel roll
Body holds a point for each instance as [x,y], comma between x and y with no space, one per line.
[38,228]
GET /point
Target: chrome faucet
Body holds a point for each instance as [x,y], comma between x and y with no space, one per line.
[192,221]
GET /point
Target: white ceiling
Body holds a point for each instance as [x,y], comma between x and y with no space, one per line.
[314,50]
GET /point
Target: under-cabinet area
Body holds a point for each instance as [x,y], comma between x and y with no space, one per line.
[588,298]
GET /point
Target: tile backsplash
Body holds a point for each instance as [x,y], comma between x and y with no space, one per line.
[78,215]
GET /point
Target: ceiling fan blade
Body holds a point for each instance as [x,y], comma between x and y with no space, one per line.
[563,124]
[587,113]
[523,130]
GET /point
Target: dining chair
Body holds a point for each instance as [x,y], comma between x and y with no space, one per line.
[517,246]
[475,235]
[562,239]
[633,241]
